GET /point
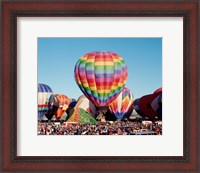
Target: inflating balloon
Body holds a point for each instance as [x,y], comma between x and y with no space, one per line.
[64,102]
[53,107]
[81,97]
[158,91]
[72,104]
[101,76]
[122,106]
[44,93]
[86,105]
[81,116]
[156,105]
[136,106]
[72,100]
[145,105]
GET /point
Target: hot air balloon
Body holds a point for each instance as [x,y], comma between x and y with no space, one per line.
[64,102]
[44,93]
[53,107]
[72,104]
[81,97]
[101,76]
[86,105]
[158,91]
[122,106]
[145,106]
[136,106]
[81,116]
[156,105]
[72,100]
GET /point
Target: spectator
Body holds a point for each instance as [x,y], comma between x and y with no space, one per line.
[101,128]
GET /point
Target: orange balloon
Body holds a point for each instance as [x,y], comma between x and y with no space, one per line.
[64,102]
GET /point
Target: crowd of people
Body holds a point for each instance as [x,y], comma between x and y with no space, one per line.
[101,128]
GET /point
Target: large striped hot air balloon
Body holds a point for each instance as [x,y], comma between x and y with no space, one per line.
[101,76]
[122,106]
[44,93]
[64,102]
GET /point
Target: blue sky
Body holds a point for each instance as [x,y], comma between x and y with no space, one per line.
[58,56]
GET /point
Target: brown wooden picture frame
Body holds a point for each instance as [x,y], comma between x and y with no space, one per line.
[11,10]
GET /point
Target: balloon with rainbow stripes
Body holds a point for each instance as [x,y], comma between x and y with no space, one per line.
[101,76]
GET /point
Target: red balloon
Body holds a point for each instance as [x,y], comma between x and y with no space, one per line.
[159,90]
[145,105]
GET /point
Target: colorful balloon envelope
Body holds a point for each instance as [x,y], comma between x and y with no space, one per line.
[81,116]
[86,105]
[64,102]
[122,106]
[72,104]
[156,105]
[53,107]
[101,76]
[44,94]
[81,97]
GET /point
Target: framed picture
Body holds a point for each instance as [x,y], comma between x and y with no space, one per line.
[66,66]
